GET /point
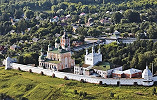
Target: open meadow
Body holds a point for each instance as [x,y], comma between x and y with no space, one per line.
[18,84]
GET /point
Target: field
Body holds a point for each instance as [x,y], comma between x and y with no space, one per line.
[33,86]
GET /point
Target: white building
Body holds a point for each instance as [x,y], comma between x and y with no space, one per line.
[93,58]
[90,68]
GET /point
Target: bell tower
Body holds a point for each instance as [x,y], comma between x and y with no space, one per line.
[65,41]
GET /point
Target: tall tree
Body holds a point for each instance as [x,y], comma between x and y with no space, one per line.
[132,16]
[116,17]
[29,14]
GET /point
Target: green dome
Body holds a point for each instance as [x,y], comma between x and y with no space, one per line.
[60,47]
[66,45]
[58,40]
[42,50]
[41,57]
[49,45]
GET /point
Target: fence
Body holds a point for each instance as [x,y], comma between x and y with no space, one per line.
[108,81]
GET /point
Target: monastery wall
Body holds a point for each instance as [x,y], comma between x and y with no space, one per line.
[108,81]
[155,78]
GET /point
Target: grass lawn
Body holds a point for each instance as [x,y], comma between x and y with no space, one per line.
[37,87]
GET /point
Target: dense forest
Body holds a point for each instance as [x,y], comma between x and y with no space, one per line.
[30,19]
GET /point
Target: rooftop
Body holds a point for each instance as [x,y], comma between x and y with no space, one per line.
[85,65]
[117,72]
[95,54]
[102,66]
[53,61]
[58,51]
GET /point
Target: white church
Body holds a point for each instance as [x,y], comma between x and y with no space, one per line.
[93,58]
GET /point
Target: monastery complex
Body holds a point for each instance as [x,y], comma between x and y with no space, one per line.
[94,70]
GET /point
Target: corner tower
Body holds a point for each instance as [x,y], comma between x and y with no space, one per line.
[147,76]
[7,63]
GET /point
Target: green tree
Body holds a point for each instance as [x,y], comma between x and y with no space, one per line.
[132,16]
[29,14]
[21,25]
[81,31]
[75,18]
[4,17]
[17,14]
[154,91]
[116,17]
[75,91]
[20,59]
[152,32]
[94,32]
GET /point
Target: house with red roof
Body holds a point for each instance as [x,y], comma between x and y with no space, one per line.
[130,73]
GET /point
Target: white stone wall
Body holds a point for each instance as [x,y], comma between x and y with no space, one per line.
[154,78]
[108,81]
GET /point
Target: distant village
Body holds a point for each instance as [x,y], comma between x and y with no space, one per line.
[77,45]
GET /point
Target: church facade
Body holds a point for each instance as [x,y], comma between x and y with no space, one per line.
[93,58]
[58,58]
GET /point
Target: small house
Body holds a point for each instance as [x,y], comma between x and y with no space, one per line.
[14,47]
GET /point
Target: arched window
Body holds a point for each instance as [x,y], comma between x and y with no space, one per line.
[66,62]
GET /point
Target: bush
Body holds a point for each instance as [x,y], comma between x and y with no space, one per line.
[65,78]
[75,91]
[100,82]
[81,93]
[30,70]
[84,94]
[154,91]
[111,94]
[71,84]
[19,68]
[135,84]
[41,73]
[53,75]
[28,87]
[82,81]
[3,96]
[104,84]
